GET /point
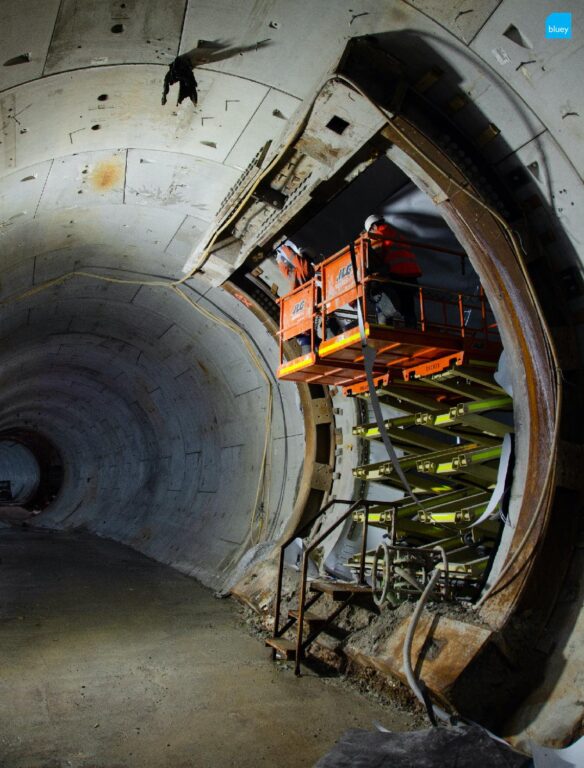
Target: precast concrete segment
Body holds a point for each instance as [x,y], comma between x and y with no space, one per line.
[110,658]
[75,121]
[20,468]
[160,417]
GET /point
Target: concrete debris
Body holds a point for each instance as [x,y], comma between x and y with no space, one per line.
[464,746]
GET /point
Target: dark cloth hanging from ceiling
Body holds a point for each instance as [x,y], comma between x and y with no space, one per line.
[181,71]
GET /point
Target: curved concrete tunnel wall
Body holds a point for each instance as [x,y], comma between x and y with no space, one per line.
[159,415]
[95,175]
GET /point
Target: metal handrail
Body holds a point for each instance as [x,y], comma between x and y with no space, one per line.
[305,559]
[427,294]
[455,307]
[311,520]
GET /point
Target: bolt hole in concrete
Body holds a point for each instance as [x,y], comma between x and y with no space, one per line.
[117,29]
[514,34]
[102,97]
[95,127]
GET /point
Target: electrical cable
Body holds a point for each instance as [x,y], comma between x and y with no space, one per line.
[434,712]
[407,577]
[380,595]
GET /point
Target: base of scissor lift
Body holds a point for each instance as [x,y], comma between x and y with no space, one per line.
[400,352]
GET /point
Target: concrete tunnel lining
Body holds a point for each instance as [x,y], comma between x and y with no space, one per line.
[122,402]
[140,214]
[159,416]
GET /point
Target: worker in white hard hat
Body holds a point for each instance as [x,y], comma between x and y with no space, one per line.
[297,268]
[393,258]
[293,263]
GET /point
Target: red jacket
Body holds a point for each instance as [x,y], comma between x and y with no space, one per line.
[294,266]
[398,259]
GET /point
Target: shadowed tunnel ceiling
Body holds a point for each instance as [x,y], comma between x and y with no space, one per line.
[161,402]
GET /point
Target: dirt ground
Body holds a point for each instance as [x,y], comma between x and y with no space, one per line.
[111,660]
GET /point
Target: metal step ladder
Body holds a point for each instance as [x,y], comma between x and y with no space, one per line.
[306,623]
[340,591]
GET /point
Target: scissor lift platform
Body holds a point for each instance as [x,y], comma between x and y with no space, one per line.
[441,339]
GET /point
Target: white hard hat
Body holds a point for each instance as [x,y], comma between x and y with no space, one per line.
[375,218]
[279,243]
[292,245]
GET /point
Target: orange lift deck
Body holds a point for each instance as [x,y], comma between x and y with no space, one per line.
[452,329]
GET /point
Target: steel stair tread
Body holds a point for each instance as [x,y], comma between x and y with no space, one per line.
[283,646]
[332,587]
[309,617]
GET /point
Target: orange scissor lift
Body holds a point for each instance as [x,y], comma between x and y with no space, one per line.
[452,329]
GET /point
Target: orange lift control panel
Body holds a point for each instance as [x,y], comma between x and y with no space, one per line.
[451,329]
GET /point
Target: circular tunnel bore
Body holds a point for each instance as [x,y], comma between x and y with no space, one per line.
[159,414]
[32,472]
[144,422]
[496,252]
[19,473]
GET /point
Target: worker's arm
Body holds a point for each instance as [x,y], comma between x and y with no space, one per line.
[375,261]
[284,267]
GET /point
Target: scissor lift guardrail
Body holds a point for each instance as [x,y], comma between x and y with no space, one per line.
[444,336]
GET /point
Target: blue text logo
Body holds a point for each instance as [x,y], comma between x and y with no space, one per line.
[558,26]
[298,307]
[343,273]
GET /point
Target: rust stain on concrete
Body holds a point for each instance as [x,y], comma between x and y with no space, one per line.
[106,174]
[442,649]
